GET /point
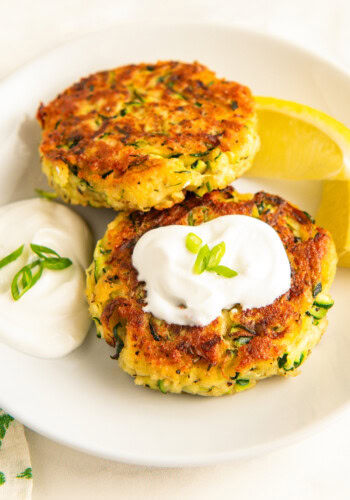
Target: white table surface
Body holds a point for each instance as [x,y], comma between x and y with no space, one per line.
[316,469]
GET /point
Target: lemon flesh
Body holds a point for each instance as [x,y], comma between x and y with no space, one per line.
[334,215]
[299,143]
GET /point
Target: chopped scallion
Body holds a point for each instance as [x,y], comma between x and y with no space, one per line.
[201,260]
[57,264]
[42,251]
[46,194]
[193,242]
[11,257]
[224,271]
[24,279]
[216,254]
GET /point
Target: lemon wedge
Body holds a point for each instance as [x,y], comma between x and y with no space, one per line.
[299,143]
[334,215]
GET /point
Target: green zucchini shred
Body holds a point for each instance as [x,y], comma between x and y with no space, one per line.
[119,344]
[153,332]
[242,340]
[235,328]
[160,384]
[242,381]
[317,312]
[190,219]
[324,301]
[317,290]
[283,360]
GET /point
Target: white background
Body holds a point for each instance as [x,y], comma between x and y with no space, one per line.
[318,468]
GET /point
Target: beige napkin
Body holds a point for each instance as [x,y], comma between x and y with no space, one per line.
[15,466]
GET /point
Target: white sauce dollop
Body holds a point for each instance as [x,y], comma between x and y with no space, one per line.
[253,249]
[51,319]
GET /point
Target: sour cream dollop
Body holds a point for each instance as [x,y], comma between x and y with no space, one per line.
[51,319]
[177,295]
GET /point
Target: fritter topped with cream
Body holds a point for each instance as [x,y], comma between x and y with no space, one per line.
[140,136]
[239,347]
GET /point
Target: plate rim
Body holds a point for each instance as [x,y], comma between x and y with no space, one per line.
[197,460]
[294,45]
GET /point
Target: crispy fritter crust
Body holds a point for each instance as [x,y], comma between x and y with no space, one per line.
[239,347]
[140,136]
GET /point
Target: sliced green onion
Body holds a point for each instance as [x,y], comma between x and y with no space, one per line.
[11,257]
[42,251]
[57,264]
[46,194]
[190,219]
[24,279]
[27,277]
[201,260]
[224,271]
[216,254]
[193,242]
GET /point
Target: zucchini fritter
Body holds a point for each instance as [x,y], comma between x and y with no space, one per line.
[140,136]
[239,347]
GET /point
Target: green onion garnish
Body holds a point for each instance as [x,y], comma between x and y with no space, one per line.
[43,252]
[56,263]
[208,260]
[200,264]
[24,279]
[11,257]
[193,243]
[216,254]
[46,194]
[224,271]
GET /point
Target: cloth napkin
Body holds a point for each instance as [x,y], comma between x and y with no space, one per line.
[15,467]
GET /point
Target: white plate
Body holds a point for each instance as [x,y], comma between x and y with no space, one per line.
[84,400]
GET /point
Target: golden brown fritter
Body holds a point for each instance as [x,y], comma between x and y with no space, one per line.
[140,136]
[239,347]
